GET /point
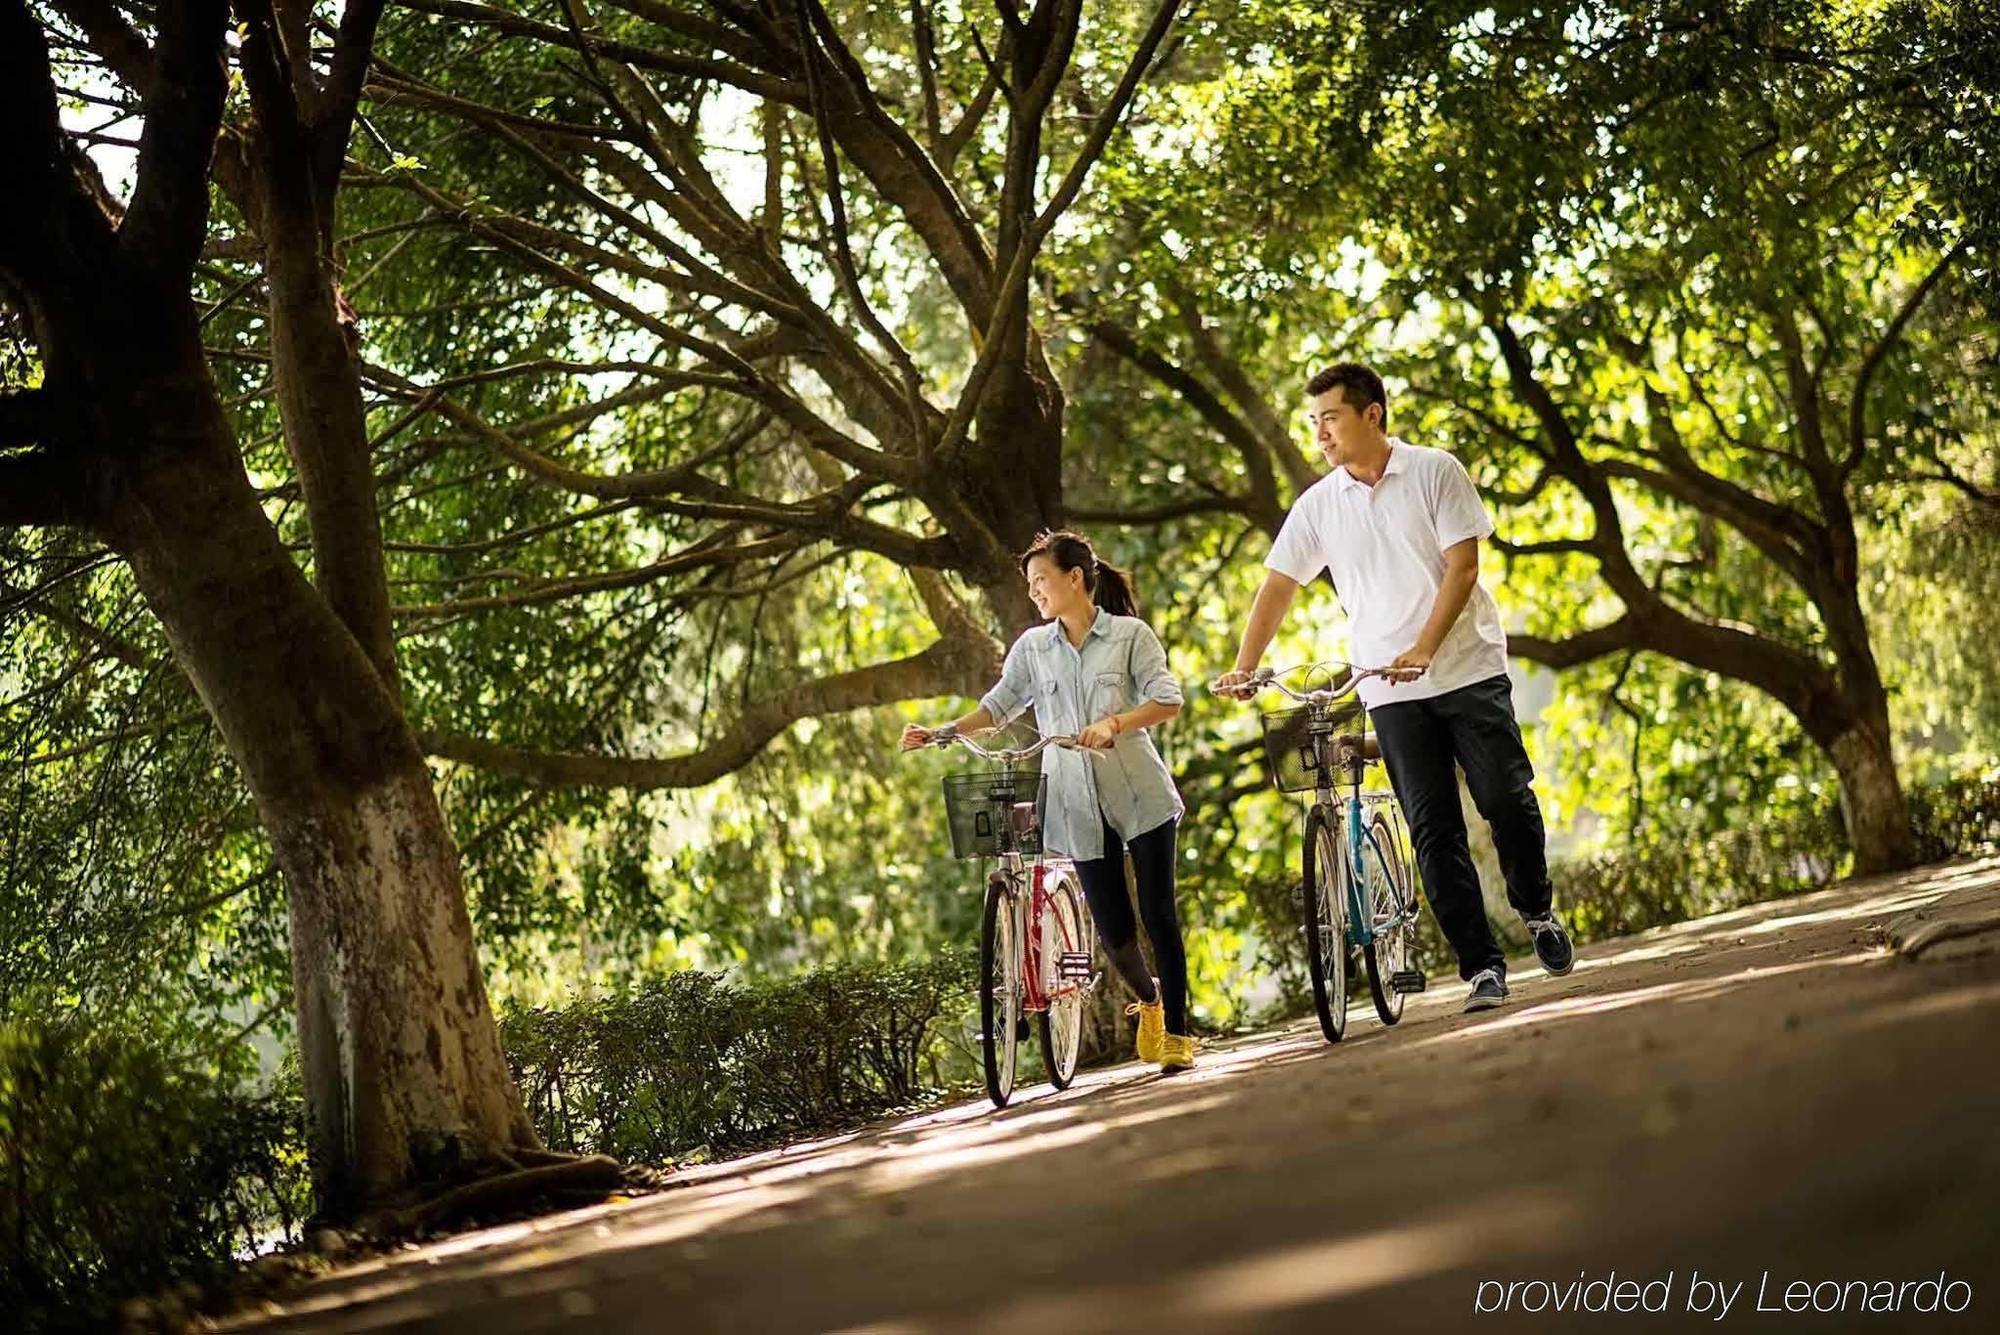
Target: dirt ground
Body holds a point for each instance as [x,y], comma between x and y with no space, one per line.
[1763,1098]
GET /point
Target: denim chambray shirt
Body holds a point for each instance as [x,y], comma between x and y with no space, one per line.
[1120,664]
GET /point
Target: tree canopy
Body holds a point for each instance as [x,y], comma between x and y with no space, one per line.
[654,394]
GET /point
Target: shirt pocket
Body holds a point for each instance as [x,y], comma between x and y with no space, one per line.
[1107,693]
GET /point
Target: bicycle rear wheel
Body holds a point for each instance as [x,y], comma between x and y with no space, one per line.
[999,991]
[1065,929]
[1325,911]
[1385,889]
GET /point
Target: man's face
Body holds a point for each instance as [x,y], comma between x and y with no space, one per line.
[1339,429]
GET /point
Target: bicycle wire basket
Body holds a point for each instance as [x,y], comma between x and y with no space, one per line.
[980,809]
[1299,743]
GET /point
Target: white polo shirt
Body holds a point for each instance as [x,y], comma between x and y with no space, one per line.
[1384,546]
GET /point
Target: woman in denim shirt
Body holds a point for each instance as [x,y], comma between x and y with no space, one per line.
[1098,671]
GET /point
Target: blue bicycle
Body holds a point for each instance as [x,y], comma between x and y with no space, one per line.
[1357,894]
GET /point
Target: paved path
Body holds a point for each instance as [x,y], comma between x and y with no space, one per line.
[1770,1092]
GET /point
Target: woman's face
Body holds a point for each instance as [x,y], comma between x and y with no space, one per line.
[1052,589]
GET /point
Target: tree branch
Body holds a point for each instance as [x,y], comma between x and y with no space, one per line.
[1108,119]
[1235,382]
[1582,647]
[124,51]
[1262,504]
[167,222]
[899,168]
[1546,547]
[544,591]
[1170,511]
[50,226]
[353,49]
[644,57]
[946,668]
[1857,408]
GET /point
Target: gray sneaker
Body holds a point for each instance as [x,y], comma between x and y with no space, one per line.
[1489,989]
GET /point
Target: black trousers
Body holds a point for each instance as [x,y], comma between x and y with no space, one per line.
[1473,727]
[1153,874]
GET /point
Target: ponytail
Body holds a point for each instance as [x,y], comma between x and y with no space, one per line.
[1108,586]
[1113,591]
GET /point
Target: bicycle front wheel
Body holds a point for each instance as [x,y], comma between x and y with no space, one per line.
[1325,909]
[1385,889]
[1065,928]
[999,991]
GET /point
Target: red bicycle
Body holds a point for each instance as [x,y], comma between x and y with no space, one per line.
[1035,938]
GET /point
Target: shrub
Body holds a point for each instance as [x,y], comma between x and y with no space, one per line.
[698,1062]
[129,1163]
[1958,816]
[1672,877]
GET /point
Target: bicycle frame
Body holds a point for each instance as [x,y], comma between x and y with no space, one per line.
[1044,981]
[1345,810]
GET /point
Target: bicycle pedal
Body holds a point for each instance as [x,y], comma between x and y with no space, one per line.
[1406,981]
[1074,965]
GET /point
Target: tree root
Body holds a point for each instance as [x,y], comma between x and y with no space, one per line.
[517,1182]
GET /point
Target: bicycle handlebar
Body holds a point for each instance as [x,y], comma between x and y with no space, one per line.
[1264,677]
[942,738]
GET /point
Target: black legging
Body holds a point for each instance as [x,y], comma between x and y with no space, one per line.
[1104,886]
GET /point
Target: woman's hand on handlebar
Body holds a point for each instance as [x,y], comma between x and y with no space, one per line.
[916,735]
[1099,736]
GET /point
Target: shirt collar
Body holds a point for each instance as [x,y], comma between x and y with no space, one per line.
[1099,625]
[1398,461]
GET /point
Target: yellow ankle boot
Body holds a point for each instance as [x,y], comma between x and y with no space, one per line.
[1152,1025]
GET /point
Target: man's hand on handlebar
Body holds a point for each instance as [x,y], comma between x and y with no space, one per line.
[1409,665]
[1237,685]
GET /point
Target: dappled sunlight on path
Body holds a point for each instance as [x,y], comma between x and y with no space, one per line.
[1692,1096]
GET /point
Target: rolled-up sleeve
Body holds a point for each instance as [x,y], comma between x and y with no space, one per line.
[1150,675]
[1016,686]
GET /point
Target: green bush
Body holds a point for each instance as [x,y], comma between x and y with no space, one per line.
[695,1062]
[1671,879]
[1958,817]
[128,1163]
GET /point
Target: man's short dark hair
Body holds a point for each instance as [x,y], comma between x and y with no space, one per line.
[1358,386]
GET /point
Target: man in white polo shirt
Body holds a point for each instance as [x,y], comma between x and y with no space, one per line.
[1398,526]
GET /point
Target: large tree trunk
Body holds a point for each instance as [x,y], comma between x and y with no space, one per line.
[403,1063]
[129,439]
[1872,802]
[1013,482]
